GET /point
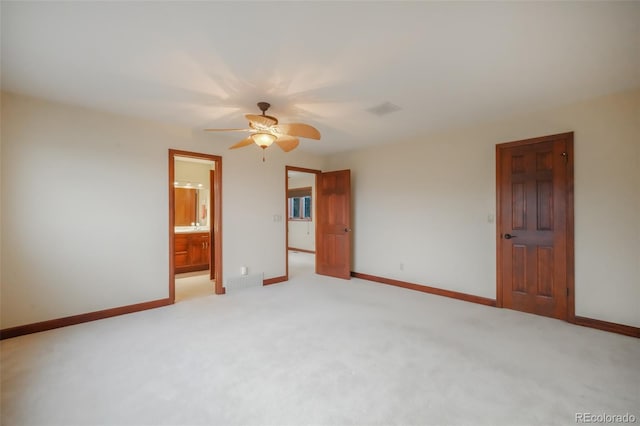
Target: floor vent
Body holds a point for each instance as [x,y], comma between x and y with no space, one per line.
[244,281]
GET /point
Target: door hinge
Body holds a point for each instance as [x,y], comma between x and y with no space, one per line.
[565,156]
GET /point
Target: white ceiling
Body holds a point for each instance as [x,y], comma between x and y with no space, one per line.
[205,64]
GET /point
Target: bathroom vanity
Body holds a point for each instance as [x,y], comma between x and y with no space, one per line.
[191,250]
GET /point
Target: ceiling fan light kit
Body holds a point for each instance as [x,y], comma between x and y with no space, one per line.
[265,130]
[263,139]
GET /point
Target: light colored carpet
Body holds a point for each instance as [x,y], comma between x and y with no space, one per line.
[323,351]
[301,263]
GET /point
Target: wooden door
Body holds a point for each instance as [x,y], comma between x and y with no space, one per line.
[333,226]
[214,213]
[199,251]
[535,225]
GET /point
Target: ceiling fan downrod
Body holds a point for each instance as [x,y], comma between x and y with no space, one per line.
[264,106]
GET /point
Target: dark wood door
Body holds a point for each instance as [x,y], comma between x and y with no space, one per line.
[181,244]
[535,217]
[199,250]
[333,227]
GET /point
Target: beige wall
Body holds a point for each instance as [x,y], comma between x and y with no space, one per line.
[64,164]
[427,203]
[423,203]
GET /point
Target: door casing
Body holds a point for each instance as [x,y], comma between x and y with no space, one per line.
[215,230]
[286,208]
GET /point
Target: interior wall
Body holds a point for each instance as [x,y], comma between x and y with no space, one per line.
[424,203]
[85,208]
[302,233]
[424,210]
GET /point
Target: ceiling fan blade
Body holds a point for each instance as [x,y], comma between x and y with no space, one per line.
[287,143]
[242,143]
[227,130]
[299,129]
[261,120]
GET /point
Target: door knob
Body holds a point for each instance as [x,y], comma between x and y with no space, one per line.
[347,229]
[509,236]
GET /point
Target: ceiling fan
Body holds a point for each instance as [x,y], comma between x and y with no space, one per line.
[265,130]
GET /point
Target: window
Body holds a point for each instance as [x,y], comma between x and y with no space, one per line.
[300,207]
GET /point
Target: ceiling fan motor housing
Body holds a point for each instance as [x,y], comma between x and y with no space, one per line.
[264,106]
[269,120]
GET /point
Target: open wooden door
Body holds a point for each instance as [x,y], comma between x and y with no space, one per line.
[535,225]
[333,227]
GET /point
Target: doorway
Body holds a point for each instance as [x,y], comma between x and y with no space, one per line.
[331,212]
[300,190]
[195,224]
[535,228]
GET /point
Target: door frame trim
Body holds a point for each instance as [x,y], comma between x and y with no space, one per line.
[286,208]
[570,229]
[215,229]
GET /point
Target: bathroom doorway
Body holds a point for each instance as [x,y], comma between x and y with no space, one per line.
[195,258]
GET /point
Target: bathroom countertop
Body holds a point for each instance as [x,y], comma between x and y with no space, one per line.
[190,229]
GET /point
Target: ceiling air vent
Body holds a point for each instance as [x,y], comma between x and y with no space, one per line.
[384,109]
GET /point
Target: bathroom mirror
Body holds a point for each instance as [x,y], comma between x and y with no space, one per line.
[191,196]
[191,207]
[186,200]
